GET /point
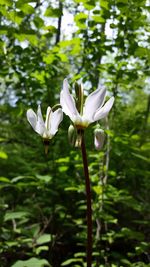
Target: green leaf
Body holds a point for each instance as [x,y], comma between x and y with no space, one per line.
[80,20]
[3,30]
[80,254]
[104,4]
[53,12]
[10,215]
[45,238]
[32,262]
[89,5]
[63,57]
[11,243]
[26,8]
[122,1]
[67,262]
[52,29]
[6,2]
[20,178]
[98,189]
[146,147]
[49,58]
[126,262]
[81,1]
[71,188]
[44,178]
[39,23]
[81,17]
[141,157]
[4,179]
[98,18]
[63,168]
[32,38]
[15,17]
[63,160]
[3,155]
[41,249]
[142,51]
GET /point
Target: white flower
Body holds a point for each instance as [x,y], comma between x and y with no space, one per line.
[93,109]
[48,128]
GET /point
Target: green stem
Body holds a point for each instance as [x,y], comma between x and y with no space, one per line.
[88,199]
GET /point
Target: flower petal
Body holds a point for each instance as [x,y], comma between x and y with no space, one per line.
[56,118]
[67,101]
[40,126]
[32,118]
[102,112]
[48,118]
[39,114]
[93,102]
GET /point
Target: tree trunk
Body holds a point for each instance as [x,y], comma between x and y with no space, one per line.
[59,23]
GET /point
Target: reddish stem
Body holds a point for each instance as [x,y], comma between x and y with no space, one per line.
[88,199]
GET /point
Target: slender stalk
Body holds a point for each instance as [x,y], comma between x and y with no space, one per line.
[88,199]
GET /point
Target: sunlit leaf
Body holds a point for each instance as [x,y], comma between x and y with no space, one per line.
[41,249]
[31,262]
[68,262]
[26,8]
[3,155]
[45,238]
[98,18]
[44,178]
[15,215]
[6,2]
[80,20]
[52,12]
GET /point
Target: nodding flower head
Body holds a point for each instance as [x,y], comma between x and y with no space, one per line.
[48,128]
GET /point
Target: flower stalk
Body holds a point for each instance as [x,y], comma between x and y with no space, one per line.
[88,202]
[82,114]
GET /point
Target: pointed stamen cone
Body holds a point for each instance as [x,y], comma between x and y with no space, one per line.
[46,145]
[78,141]
[79,138]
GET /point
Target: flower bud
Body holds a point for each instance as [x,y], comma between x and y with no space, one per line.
[72,135]
[99,137]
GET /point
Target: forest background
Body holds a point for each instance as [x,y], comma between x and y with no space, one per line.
[42,199]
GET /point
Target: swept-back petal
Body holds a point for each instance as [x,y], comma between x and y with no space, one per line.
[56,118]
[48,118]
[93,102]
[40,126]
[102,112]
[67,101]
[32,118]
[39,114]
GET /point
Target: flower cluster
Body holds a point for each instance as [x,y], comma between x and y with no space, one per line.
[91,111]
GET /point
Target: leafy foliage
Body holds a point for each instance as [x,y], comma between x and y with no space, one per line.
[42,199]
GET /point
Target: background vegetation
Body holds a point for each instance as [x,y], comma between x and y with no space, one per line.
[42,199]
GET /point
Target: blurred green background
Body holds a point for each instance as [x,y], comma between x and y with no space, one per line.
[42,199]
